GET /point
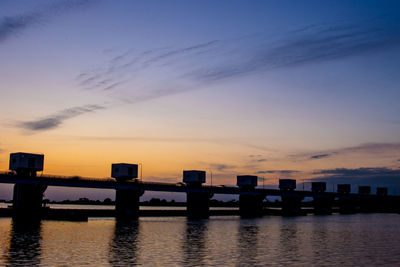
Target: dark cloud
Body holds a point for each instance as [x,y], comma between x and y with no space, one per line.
[10,26]
[360,172]
[13,25]
[378,176]
[55,120]
[320,156]
[281,172]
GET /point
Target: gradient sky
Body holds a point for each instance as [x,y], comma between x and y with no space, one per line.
[279,89]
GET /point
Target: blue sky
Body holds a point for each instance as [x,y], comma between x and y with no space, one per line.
[233,87]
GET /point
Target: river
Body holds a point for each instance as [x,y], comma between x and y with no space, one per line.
[347,240]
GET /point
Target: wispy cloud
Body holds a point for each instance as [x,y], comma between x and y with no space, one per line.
[359,172]
[127,65]
[55,120]
[281,172]
[306,46]
[196,66]
[371,148]
[221,167]
[183,69]
[257,158]
[321,156]
[14,25]
[365,149]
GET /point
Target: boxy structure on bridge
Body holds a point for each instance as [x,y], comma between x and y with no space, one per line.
[322,202]
[126,200]
[197,203]
[365,202]
[291,201]
[347,201]
[250,202]
[27,198]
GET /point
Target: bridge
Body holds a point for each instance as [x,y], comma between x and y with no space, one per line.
[28,195]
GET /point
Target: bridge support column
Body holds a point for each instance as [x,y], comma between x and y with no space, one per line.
[367,204]
[382,203]
[251,205]
[347,204]
[323,204]
[27,201]
[127,204]
[198,205]
[291,204]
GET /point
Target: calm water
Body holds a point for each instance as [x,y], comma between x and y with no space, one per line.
[372,239]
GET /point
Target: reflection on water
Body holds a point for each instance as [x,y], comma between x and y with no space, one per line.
[195,243]
[289,239]
[25,244]
[319,241]
[247,242]
[363,239]
[123,248]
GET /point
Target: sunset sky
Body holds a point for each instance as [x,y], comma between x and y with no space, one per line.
[278,89]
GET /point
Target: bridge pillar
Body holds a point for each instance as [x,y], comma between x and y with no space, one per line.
[291,204]
[197,202]
[27,201]
[251,205]
[127,203]
[347,203]
[198,205]
[291,201]
[323,204]
[382,203]
[366,203]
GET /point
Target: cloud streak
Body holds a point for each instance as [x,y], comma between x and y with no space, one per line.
[221,167]
[128,66]
[14,25]
[359,172]
[321,156]
[219,60]
[197,66]
[307,46]
[56,120]
[364,149]
[280,172]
